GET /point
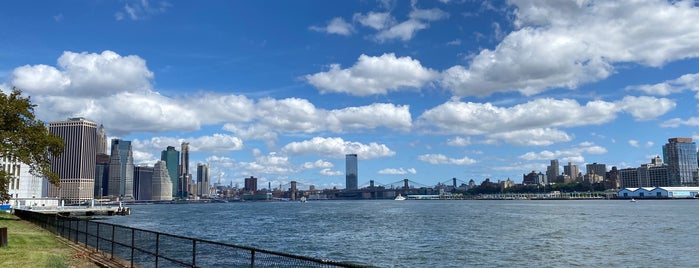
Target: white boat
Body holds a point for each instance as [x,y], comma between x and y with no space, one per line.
[399,198]
[633,200]
[303,199]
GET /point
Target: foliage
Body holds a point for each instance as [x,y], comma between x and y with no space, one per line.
[25,139]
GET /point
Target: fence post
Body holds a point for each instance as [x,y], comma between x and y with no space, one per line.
[87,223]
[157,248]
[252,258]
[3,237]
[97,237]
[194,253]
[112,241]
[132,245]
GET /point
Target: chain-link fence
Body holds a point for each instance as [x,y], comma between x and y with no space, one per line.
[142,248]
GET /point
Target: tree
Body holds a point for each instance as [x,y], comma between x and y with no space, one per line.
[24,139]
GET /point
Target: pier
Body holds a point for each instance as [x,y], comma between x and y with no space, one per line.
[78,211]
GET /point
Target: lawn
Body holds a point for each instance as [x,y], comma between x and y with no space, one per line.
[32,246]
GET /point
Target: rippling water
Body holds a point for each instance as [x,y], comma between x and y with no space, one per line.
[453,233]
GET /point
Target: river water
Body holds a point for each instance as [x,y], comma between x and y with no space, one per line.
[449,233]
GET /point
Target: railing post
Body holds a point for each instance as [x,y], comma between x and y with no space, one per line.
[132,245]
[112,253]
[157,248]
[194,253]
[86,231]
[252,258]
[97,237]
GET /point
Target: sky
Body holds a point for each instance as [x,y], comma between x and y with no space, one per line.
[420,90]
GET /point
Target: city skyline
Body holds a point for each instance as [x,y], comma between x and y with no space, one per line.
[425,90]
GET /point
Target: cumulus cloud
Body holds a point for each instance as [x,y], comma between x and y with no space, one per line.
[398,171]
[389,28]
[335,26]
[338,148]
[318,164]
[214,143]
[375,20]
[532,137]
[574,154]
[684,82]
[456,117]
[329,172]
[633,143]
[459,142]
[677,122]
[373,75]
[440,159]
[270,164]
[566,44]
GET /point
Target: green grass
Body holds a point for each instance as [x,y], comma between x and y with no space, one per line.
[31,246]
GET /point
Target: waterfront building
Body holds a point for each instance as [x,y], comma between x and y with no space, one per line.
[184,177]
[628,178]
[573,173]
[76,166]
[680,154]
[23,184]
[659,192]
[143,182]
[611,179]
[250,185]
[172,164]
[121,169]
[161,182]
[102,175]
[553,172]
[203,179]
[529,179]
[351,172]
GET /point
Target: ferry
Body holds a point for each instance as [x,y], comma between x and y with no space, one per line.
[399,198]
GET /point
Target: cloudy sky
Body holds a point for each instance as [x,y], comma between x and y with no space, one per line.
[423,90]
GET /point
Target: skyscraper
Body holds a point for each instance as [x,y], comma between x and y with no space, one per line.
[202,179]
[143,182]
[351,174]
[553,171]
[76,166]
[161,182]
[101,140]
[172,163]
[680,154]
[183,191]
[121,170]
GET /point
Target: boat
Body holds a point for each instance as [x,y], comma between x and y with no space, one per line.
[633,200]
[303,199]
[399,198]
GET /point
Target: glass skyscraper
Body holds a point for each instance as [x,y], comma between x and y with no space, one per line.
[680,155]
[121,170]
[351,175]
[172,164]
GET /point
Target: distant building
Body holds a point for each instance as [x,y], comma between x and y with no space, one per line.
[172,162]
[573,173]
[250,184]
[680,154]
[530,179]
[143,182]
[351,172]
[203,180]
[101,140]
[628,178]
[161,182]
[76,166]
[102,175]
[184,177]
[121,170]
[553,172]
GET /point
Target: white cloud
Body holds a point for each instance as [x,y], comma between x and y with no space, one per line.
[459,142]
[214,143]
[270,164]
[646,108]
[403,31]
[138,10]
[432,14]
[633,143]
[566,44]
[375,20]
[338,148]
[373,75]
[677,122]
[684,82]
[317,164]
[532,137]
[399,171]
[574,154]
[329,172]
[440,159]
[335,26]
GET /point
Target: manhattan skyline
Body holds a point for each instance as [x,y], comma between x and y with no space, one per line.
[424,90]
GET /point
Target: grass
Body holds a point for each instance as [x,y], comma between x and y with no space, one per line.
[29,245]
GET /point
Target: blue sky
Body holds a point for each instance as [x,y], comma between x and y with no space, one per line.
[423,90]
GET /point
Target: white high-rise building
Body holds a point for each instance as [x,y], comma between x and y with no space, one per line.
[24,184]
[161,183]
[76,166]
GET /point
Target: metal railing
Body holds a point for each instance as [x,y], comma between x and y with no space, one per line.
[143,248]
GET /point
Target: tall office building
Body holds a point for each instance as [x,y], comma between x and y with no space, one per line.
[553,171]
[183,191]
[203,181]
[572,172]
[351,175]
[680,155]
[161,182]
[101,140]
[143,182]
[250,185]
[102,175]
[76,166]
[121,170]
[172,164]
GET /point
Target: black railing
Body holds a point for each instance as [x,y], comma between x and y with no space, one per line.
[142,248]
